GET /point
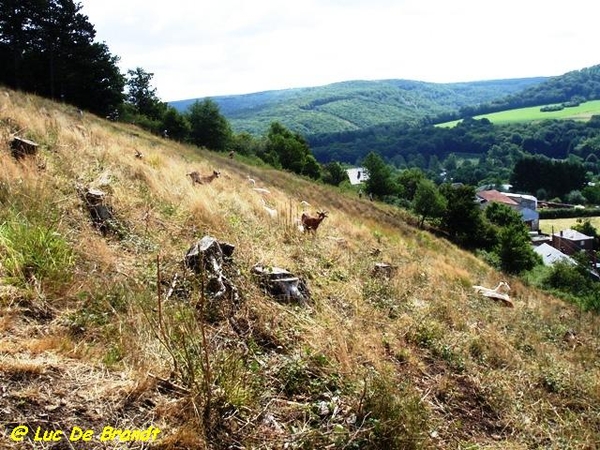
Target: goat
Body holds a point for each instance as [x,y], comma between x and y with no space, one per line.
[272,212]
[496,292]
[312,223]
[197,178]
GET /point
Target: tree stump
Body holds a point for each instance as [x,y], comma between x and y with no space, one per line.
[281,284]
[22,147]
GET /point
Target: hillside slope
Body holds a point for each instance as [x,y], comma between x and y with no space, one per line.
[111,330]
[354,105]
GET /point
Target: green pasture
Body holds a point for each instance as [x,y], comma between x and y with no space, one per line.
[582,112]
[549,225]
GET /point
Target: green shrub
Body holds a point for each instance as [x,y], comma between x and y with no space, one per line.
[31,252]
[398,417]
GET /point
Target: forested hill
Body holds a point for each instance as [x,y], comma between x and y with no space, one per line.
[356,105]
[577,85]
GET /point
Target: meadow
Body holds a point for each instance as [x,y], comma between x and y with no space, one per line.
[547,226]
[582,112]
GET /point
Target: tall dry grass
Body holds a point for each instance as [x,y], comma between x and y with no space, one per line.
[411,361]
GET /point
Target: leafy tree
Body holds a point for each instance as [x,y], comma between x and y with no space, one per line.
[51,49]
[576,197]
[584,225]
[246,144]
[463,219]
[142,95]
[176,124]
[592,194]
[428,202]
[557,177]
[291,151]
[503,215]
[380,181]
[515,251]
[568,277]
[209,128]
[408,180]
[334,173]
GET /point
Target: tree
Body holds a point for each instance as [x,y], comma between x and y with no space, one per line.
[176,124]
[380,181]
[334,173]
[51,49]
[515,250]
[291,151]
[503,215]
[142,95]
[408,180]
[584,225]
[463,219]
[209,128]
[428,202]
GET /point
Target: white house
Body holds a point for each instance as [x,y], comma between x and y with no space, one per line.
[357,175]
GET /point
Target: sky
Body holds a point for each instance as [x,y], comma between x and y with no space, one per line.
[200,48]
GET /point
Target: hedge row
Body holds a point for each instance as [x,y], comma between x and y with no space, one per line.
[565,213]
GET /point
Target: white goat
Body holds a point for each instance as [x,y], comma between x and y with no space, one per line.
[499,292]
[272,212]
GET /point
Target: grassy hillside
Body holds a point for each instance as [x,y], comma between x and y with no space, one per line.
[112,330]
[355,105]
[582,112]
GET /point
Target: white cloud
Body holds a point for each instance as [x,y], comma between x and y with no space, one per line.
[207,48]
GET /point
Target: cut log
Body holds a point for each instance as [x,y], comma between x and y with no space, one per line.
[22,147]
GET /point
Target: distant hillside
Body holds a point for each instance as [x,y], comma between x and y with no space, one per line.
[397,141]
[576,85]
[355,105]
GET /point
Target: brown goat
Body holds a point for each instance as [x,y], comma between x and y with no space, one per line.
[312,223]
[197,178]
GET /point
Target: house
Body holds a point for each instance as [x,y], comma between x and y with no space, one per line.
[551,255]
[524,200]
[486,198]
[531,217]
[357,175]
[570,241]
[526,205]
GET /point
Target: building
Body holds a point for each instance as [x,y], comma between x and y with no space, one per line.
[570,242]
[357,175]
[550,255]
[526,205]
[486,198]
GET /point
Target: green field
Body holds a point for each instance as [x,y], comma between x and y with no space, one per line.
[549,225]
[582,112]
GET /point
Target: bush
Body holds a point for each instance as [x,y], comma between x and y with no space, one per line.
[398,417]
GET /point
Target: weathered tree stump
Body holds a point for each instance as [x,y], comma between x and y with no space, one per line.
[100,213]
[281,284]
[210,258]
[22,147]
[383,270]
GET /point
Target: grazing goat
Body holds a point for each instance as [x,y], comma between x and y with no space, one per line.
[312,223]
[496,292]
[197,178]
[272,212]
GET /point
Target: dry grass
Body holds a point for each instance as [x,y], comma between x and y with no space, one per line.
[413,361]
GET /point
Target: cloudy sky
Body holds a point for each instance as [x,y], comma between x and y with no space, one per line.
[200,48]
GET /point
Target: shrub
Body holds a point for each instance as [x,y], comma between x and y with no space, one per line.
[397,415]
